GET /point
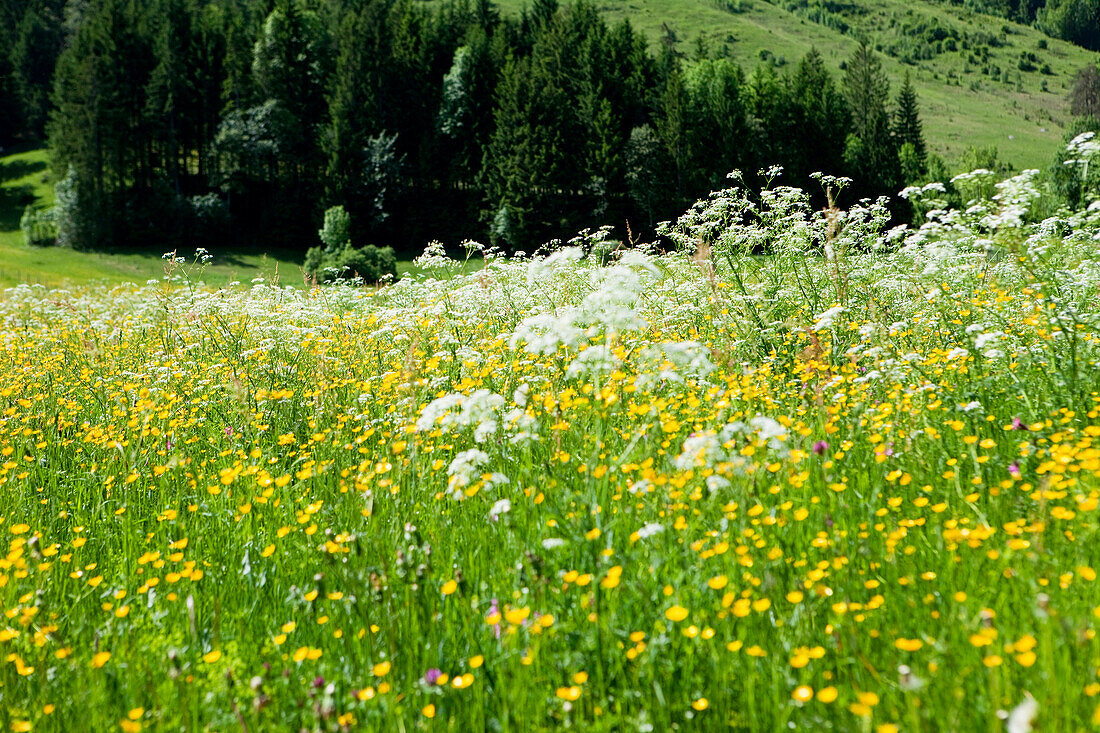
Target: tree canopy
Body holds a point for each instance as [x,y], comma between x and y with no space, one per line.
[214,122]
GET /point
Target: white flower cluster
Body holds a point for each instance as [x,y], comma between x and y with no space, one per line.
[707,449]
[480,410]
[465,469]
[483,411]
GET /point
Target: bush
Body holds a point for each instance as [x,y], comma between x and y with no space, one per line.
[39,226]
[369,263]
[74,228]
[338,258]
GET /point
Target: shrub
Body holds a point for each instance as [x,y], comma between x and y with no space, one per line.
[369,263]
[209,216]
[73,227]
[338,258]
[39,226]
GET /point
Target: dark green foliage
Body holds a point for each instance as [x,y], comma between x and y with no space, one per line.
[645,162]
[359,86]
[908,133]
[369,263]
[195,122]
[290,62]
[870,150]
[1084,97]
[98,127]
[1077,21]
[37,43]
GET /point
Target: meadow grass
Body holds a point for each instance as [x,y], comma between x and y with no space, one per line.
[848,486]
[25,179]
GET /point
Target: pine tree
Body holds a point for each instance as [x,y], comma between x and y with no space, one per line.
[672,129]
[291,67]
[173,101]
[512,170]
[466,107]
[823,118]
[870,151]
[486,15]
[290,62]
[543,12]
[718,129]
[239,90]
[357,94]
[33,57]
[10,120]
[907,124]
[99,125]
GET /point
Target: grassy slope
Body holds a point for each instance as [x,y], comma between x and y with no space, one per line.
[1025,126]
[24,177]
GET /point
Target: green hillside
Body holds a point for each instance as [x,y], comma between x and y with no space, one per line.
[25,178]
[962,104]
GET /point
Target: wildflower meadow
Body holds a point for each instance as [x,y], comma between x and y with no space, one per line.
[802,472]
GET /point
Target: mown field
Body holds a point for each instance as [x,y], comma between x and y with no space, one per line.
[963,102]
[25,178]
[848,486]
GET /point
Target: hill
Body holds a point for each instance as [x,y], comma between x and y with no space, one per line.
[25,179]
[983,81]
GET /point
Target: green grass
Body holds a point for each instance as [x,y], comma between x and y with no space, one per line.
[1025,126]
[25,179]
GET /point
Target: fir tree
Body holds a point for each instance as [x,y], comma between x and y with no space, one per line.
[357,93]
[907,124]
[34,54]
[823,118]
[870,151]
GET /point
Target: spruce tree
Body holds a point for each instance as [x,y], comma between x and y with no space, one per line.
[907,124]
[512,167]
[37,43]
[672,128]
[823,118]
[291,67]
[290,62]
[173,101]
[870,151]
[99,126]
[719,139]
[466,108]
[357,93]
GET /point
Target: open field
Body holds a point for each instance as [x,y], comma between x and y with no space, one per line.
[699,491]
[961,105]
[25,178]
